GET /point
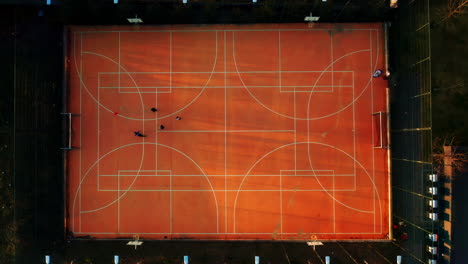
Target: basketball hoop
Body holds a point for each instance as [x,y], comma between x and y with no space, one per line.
[311,18]
[135,20]
[135,242]
[313,242]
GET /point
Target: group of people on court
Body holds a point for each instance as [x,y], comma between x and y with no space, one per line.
[162,127]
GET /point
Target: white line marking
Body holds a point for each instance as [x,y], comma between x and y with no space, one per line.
[98,131]
[170,179]
[170,61]
[225,137]
[118,179]
[376,60]
[118,202]
[229,87]
[354,128]
[372,123]
[170,202]
[273,111]
[126,191]
[220,72]
[81,126]
[229,30]
[139,119]
[280,178]
[222,131]
[333,179]
[308,135]
[222,190]
[238,175]
[287,145]
[94,99]
[295,145]
[217,233]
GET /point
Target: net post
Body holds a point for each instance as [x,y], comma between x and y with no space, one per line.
[381,136]
[69,145]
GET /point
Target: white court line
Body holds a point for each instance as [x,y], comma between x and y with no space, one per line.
[372,123]
[222,190]
[94,164]
[170,202]
[289,117]
[118,179]
[308,136]
[133,80]
[353,105]
[219,72]
[225,136]
[81,126]
[323,189]
[376,59]
[333,179]
[98,132]
[170,61]
[218,233]
[128,190]
[276,112]
[354,134]
[147,170]
[237,175]
[170,178]
[222,131]
[280,178]
[150,92]
[224,87]
[228,30]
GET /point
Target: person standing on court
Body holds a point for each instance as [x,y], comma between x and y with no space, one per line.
[377,73]
[138,134]
[154,109]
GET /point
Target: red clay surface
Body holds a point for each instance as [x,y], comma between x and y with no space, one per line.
[276,139]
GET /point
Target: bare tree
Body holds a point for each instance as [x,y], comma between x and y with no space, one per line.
[453,8]
[459,160]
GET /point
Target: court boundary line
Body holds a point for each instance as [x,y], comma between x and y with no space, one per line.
[372,123]
[157,116]
[332,63]
[281,177]
[239,87]
[81,128]
[225,136]
[227,30]
[228,131]
[229,175]
[291,130]
[218,72]
[232,190]
[247,233]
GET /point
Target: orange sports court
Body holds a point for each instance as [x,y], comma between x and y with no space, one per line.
[282,133]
